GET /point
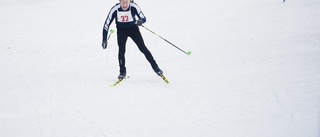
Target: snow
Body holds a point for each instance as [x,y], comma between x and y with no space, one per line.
[254,70]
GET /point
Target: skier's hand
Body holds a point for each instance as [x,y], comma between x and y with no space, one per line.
[139,22]
[104,44]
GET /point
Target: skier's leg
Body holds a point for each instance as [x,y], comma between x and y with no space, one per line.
[137,38]
[122,40]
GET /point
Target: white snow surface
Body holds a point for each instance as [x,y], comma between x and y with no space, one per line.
[254,70]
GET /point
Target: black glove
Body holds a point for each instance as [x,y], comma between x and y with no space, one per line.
[139,22]
[104,44]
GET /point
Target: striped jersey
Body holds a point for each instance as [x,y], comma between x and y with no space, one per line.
[124,18]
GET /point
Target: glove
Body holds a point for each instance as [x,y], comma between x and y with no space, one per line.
[139,22]
[104,44]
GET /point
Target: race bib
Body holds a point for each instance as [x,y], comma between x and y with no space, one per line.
[124,16]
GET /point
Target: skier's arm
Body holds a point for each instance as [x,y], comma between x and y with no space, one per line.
[108,22]
[142,19]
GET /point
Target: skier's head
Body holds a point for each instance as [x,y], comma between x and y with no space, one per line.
[125,4]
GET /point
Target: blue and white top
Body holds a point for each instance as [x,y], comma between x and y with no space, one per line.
[124,18]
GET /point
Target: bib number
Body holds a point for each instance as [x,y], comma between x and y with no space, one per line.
[124,16]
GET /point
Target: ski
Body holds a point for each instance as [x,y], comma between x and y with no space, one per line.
[164,79]
[119,81]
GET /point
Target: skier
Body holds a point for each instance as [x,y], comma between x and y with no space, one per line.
[127,24]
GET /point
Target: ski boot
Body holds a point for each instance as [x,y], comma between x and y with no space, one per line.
[122,75]
[158,71]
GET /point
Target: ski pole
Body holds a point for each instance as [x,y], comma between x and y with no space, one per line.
[111,32]
[188,53]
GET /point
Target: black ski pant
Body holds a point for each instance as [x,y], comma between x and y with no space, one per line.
[135,35]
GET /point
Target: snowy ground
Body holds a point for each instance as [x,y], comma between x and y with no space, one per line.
[254,71]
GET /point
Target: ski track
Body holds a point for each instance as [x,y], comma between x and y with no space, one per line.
[254,70]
